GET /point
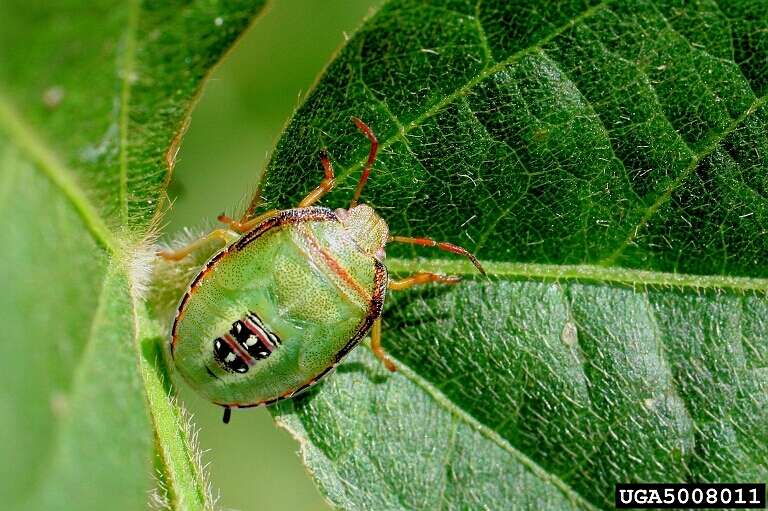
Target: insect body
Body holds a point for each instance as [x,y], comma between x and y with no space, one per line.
[288,297]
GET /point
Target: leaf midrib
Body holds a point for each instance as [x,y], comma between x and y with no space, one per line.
[38,150]
[45,160]
[62,177]
[579,272]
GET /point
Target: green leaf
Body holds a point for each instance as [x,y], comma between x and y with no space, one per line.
[607,162]
[93,99]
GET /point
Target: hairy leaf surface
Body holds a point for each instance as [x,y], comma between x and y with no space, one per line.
[607,161]
[93,97]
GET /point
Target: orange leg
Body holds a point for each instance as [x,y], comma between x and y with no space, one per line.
[377,349]
[422,278]
[326,185]
[448,247]
[222,235]
[244,226]
[368,164]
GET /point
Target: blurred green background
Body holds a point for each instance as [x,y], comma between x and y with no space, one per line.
[244,106]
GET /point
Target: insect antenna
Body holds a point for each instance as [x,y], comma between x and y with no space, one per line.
[368,164]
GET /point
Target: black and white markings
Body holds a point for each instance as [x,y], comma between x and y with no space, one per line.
[227,357]
[247,342]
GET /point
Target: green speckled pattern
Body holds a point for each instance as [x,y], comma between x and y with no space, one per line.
[285,276]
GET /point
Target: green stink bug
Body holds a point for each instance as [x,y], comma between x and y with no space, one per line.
[288,297]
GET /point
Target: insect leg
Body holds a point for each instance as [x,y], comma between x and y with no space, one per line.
[377,349]
[422,278]
[223,235]
[368,164]
[448,247]
[325,186]
[245,226]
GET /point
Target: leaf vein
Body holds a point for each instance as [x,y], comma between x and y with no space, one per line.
[676,183]
[494,437]
[648,82]
[717,5]
[461,91]
[446,462]
[49,467]
[481,33]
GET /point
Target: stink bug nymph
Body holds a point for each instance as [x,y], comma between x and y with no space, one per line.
[288,297]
